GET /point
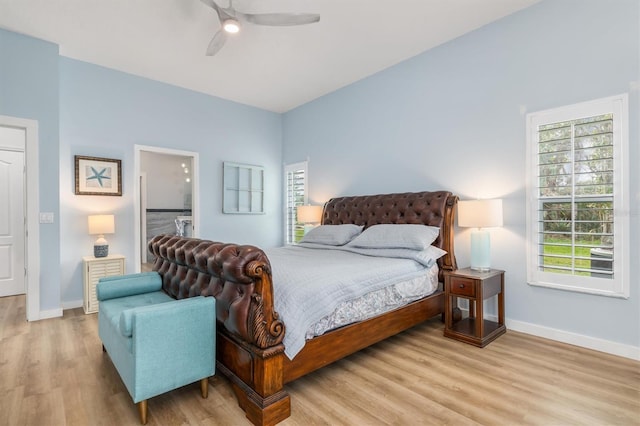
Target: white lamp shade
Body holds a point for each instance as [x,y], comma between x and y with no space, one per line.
[101,224]
[309,214]
[480,213]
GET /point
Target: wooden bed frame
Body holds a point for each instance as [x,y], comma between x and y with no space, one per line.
[250,352]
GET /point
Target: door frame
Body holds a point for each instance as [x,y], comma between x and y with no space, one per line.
[32,210]
[142,179]
[195,196]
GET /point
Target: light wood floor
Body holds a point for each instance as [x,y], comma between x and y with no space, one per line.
[53,372]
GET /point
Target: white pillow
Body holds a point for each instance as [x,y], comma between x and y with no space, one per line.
[430,255]
[415,237]
[332,235]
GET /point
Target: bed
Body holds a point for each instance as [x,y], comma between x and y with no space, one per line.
[250,348]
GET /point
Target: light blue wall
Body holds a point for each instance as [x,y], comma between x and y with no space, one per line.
[104,113]
[454,118]
[83,109]
[29,89]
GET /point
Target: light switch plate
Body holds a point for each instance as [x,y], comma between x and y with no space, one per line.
[46,217]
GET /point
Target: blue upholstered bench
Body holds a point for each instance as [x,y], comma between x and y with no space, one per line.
[156,343]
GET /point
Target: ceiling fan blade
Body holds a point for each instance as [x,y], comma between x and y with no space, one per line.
[212,4]
[279,19]
[216,42]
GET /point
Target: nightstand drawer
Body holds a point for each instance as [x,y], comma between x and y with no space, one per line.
[462,286]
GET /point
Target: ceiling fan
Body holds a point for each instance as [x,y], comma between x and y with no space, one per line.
[230,19]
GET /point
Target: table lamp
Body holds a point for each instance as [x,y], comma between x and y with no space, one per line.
[99,225]
[310,216]
[480,214]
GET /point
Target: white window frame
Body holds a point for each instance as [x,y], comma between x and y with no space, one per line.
[619,285]
[289,168]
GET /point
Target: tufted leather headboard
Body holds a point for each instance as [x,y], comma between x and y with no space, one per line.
[428,208]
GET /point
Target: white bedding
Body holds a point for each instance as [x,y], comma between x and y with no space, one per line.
[306,289]
[377,302]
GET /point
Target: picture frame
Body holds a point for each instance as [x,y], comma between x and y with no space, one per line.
[98,176]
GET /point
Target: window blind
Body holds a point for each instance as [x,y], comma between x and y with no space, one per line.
[575,196]
[296,177]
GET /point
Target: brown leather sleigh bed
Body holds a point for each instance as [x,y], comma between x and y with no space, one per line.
[250,351]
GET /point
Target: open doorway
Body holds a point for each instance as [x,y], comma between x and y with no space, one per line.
[166,196]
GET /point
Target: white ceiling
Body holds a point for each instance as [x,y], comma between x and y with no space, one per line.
[274,68]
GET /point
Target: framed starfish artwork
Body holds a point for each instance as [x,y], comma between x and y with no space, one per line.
[98,176]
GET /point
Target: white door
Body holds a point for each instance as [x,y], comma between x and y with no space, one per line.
[12,236]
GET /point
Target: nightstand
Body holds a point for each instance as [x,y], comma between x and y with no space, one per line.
[95,268]
[474,286]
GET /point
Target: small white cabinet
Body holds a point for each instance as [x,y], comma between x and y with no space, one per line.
[95,268]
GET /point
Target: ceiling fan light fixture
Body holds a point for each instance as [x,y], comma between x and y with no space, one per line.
[229,19]
[231,25]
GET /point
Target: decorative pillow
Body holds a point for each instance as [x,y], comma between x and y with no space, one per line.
[332,235]
[415,237]
[117,286]
[426,257]
[430,255]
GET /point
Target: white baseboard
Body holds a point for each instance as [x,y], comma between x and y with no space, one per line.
[72,304]
[56,313]
[601,345]
[607,346]
[52,313]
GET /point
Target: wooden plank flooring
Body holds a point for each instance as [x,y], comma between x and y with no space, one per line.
[53,372]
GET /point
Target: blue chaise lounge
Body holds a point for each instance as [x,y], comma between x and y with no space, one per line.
[156,343]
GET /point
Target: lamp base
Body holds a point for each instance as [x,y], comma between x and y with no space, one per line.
[101,251]
[480,250]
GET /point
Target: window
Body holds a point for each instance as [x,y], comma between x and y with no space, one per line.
[243,188]
[578,208]
[295,195]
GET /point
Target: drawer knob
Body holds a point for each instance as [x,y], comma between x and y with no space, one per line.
[461,285]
